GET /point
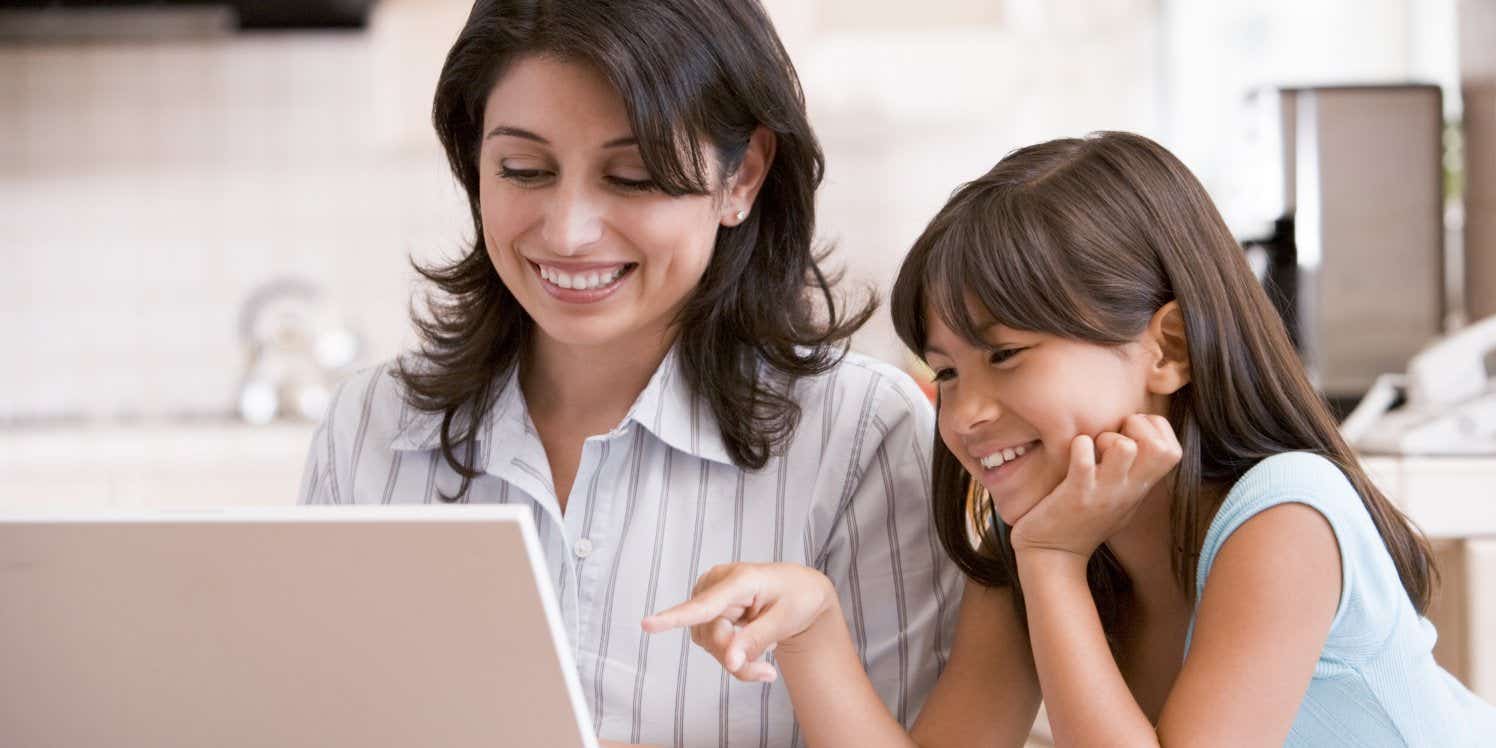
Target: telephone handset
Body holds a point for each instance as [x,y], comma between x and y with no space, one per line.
[1444,405]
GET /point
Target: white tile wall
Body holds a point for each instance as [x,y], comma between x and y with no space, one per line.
[147,188]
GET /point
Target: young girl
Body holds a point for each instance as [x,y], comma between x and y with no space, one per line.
[1173,545]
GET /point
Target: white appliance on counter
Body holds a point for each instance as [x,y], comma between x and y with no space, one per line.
[1444,405]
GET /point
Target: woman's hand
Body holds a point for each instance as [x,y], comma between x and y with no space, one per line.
[1104,486]
[737,612]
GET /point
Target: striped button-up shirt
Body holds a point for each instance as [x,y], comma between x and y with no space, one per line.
[657,501]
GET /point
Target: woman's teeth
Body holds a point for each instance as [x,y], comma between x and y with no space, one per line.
[1006,455]
[582,281]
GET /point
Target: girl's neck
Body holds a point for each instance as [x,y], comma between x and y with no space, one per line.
[588,384]
[1145,549]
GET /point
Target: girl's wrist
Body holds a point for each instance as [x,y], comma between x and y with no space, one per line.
[1049,561]
[821,627]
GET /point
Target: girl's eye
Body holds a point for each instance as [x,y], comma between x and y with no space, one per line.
[943,375]
[633,185]
[1003,355]
[522,176]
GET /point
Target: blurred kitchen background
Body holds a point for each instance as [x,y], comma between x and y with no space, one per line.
[207,212]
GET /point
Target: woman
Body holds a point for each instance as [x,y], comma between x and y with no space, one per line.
[641,347]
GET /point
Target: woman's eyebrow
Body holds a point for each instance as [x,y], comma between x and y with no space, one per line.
[516,132]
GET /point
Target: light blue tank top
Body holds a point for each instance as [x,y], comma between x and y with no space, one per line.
[1376,682]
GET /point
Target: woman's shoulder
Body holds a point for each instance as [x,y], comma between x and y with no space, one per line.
[371,408]
[859,386]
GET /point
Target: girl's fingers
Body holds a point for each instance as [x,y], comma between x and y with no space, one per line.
[750,642]
[1117,460]
[714,637]
[1082,470]
[728,598]
[1157,448]
[757,672]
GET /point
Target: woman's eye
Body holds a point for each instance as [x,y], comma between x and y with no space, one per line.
[943,375]
[522,176]
[633,185]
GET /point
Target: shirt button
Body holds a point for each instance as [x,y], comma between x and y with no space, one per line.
[584,548]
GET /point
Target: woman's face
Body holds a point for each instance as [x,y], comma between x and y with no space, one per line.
[1009,409]
[572,219]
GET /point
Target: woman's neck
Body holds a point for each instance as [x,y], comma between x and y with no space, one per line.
[593,385]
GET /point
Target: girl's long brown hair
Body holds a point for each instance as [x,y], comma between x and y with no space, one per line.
[1087,239]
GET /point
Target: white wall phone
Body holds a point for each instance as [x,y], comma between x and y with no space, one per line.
[1448,401]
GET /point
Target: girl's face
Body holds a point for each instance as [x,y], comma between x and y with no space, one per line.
[572,220]
[1009,409]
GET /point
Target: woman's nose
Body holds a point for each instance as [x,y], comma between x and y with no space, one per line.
[573,222]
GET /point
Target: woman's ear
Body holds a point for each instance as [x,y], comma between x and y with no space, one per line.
[1170,367]
[743,185]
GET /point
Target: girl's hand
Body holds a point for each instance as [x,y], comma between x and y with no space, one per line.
[1104,486]
[737,612]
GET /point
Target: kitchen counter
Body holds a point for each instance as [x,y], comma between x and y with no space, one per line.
[152,463]
[1448,497]
[228,463]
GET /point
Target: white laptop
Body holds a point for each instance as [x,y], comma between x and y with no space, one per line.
[302,626]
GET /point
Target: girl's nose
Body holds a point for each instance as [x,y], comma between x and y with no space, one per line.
[969,409]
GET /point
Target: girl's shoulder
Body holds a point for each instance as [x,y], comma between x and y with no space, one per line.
[1371,591]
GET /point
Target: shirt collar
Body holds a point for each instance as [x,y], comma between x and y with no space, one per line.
[669,409]
[666,408]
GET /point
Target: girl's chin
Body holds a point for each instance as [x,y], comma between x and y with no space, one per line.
[1010,514]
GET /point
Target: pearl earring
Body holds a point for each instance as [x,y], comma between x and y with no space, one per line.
[741,215]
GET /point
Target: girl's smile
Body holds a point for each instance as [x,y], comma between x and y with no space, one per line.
[1011,404]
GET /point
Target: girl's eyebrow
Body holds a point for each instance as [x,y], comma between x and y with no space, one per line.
[516,132]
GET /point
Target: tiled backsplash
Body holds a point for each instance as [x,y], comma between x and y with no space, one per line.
[146,189]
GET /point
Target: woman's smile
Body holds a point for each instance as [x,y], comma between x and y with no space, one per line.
[582,284]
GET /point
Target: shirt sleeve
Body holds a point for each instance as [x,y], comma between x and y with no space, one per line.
[320,482]
[898,590]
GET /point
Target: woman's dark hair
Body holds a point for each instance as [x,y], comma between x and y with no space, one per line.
[1086,239]
[697,76]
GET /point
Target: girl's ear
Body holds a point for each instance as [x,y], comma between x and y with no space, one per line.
[743,185]
[1170,349]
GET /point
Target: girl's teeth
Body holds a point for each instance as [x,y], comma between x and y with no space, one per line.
[1006,455]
